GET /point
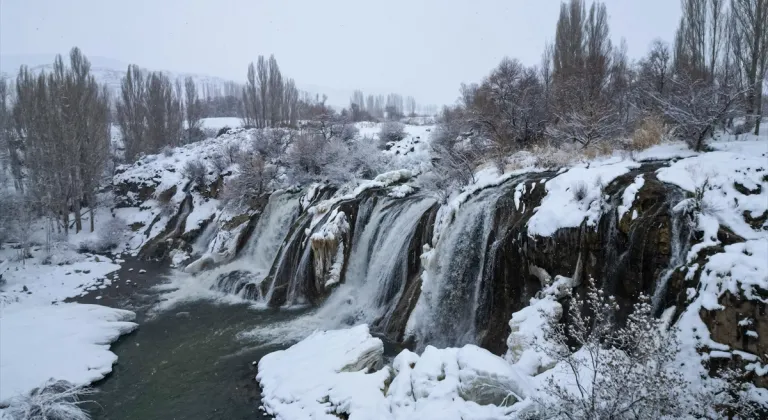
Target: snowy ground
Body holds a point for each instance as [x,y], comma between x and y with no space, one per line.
[221,122]
[42,337]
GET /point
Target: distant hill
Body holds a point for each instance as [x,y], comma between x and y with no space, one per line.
[107,71]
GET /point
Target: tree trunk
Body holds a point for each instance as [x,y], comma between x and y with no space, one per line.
[65,218]
[78,215]
[759,107]
[90,211]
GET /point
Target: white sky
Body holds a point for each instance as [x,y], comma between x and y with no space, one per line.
[424,48]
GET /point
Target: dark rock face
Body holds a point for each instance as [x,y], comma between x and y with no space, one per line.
[727,326]
[626,257]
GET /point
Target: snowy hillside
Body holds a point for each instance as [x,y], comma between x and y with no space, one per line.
[107,71]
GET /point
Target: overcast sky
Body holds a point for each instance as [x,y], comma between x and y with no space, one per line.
[424,48]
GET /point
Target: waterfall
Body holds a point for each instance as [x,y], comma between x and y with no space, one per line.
[680,241]
[454,273]
[280,213]
[377,270]
[243,276]
[381,265]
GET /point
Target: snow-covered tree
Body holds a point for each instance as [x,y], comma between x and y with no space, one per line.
[696,108]
[193,110]
[61,121]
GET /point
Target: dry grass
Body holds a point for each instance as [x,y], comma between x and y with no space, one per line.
[553,158]
[649,132]
[602,148]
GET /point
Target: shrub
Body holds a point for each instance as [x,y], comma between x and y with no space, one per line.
[167,151]
[579,190]
[255,176]
[552,158]
[220,161]
[391,131]
[109,237]
[195,170]
[222,131]
[349,132]
[55,400]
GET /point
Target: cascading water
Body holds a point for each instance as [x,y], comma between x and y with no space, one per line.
[680,241]
[377,269]
[243,276]
[445,314]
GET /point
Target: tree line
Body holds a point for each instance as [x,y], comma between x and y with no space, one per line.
[55,128]
[378,107]
[56,136]
[587,93]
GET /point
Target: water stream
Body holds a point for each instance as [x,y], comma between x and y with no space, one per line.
[190,361]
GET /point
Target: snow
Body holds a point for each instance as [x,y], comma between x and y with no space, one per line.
[401,191]
[67,341]
[302,383]
[629,196]
[410,152]
[526,328]
[454,383]
[665,151]
[217,123]
[49,282]
[43,338]
[721,200]
[563,208]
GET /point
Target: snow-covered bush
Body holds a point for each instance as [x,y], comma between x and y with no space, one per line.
[254,177]
[109,236]
[219,162]
[580,190]
[609,371]
[312,159]
[391,131]
[18,214]
[272,143]
[195,170]
[552,158]
[696,107]
[349,132]
[55,400]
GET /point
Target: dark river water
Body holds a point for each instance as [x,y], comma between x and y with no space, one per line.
[184,363]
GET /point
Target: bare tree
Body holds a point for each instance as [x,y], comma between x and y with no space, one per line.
[411,106]
[655,67]
[165,117]
[10,147]
[132,112]
[193,110]
[62,119]
[750,46]
[695,107]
